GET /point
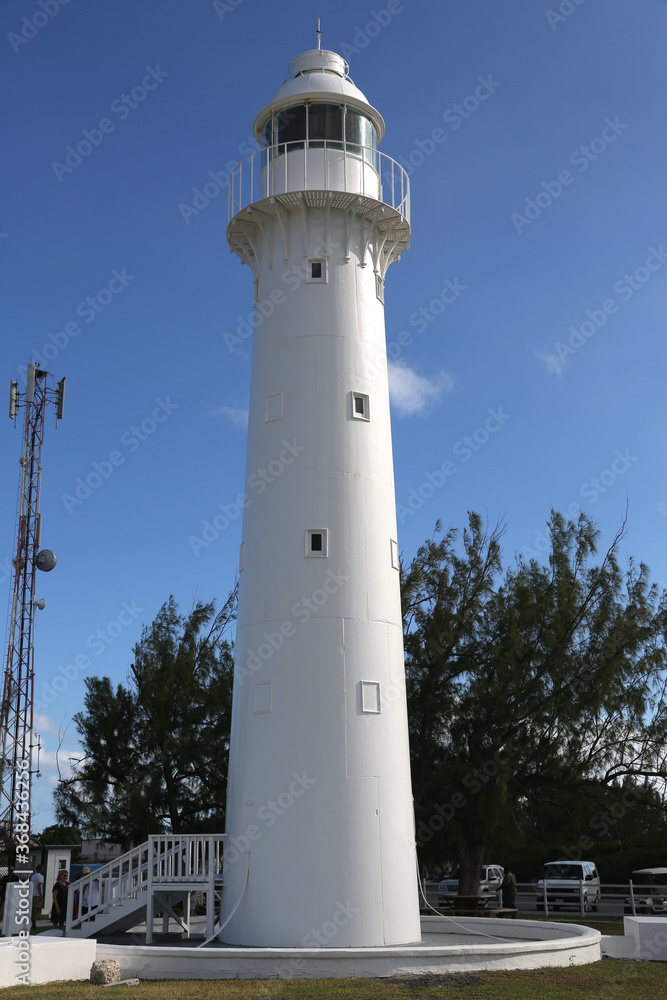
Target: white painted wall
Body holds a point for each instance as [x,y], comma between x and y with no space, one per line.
[472,943]
[45,959]
[644,939]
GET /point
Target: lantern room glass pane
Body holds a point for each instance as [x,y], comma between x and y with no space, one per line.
[325,121]
[317,123]
[267,133]
[360,131]
[289,125]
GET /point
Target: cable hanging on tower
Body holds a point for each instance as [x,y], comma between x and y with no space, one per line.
[16,712]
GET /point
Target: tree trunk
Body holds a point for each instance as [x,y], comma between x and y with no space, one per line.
[471,857]
[172,798]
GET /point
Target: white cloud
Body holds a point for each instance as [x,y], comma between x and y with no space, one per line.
[412,393]
[237,416]
[43,723]
[554,363]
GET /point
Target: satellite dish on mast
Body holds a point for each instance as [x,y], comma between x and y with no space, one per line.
[46,560]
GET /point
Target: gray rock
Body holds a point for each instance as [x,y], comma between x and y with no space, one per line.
[107,971]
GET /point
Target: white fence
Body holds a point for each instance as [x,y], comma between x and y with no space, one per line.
[612,899]
[316,165]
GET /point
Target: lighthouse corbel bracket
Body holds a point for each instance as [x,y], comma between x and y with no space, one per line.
[385,231]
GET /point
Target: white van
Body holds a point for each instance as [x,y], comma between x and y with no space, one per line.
[566,882]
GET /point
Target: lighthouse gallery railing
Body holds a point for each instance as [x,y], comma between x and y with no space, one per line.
[319,164]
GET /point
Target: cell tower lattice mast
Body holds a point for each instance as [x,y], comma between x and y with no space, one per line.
[16,765]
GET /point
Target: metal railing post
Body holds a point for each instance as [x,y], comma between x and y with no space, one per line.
[210,891]
[149,889]
[395,193]
[70,911]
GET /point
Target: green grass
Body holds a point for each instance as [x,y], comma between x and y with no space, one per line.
[607,980]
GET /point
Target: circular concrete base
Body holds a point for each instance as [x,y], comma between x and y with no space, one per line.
[447,945]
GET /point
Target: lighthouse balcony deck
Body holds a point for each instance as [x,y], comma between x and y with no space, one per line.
[319,165]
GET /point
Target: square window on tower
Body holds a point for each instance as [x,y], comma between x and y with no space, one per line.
[395,558]
[316,270]
[274,408]
[317,545]
[361,409]
[370,697]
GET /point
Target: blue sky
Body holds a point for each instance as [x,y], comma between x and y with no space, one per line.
[526,322]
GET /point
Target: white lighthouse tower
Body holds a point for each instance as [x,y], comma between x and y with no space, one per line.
[321,845]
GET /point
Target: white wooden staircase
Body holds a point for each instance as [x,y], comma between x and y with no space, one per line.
[149,880]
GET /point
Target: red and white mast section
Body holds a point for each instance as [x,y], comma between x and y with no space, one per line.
[16,717]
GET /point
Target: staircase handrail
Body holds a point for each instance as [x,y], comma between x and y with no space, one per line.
[117,879]
[201,851]
[157,860]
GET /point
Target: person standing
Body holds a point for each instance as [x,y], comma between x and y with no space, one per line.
[37,883]
[508,887]
[59,907]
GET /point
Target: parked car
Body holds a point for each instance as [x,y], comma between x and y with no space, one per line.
[565,882]
[490,880]
[649,888]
